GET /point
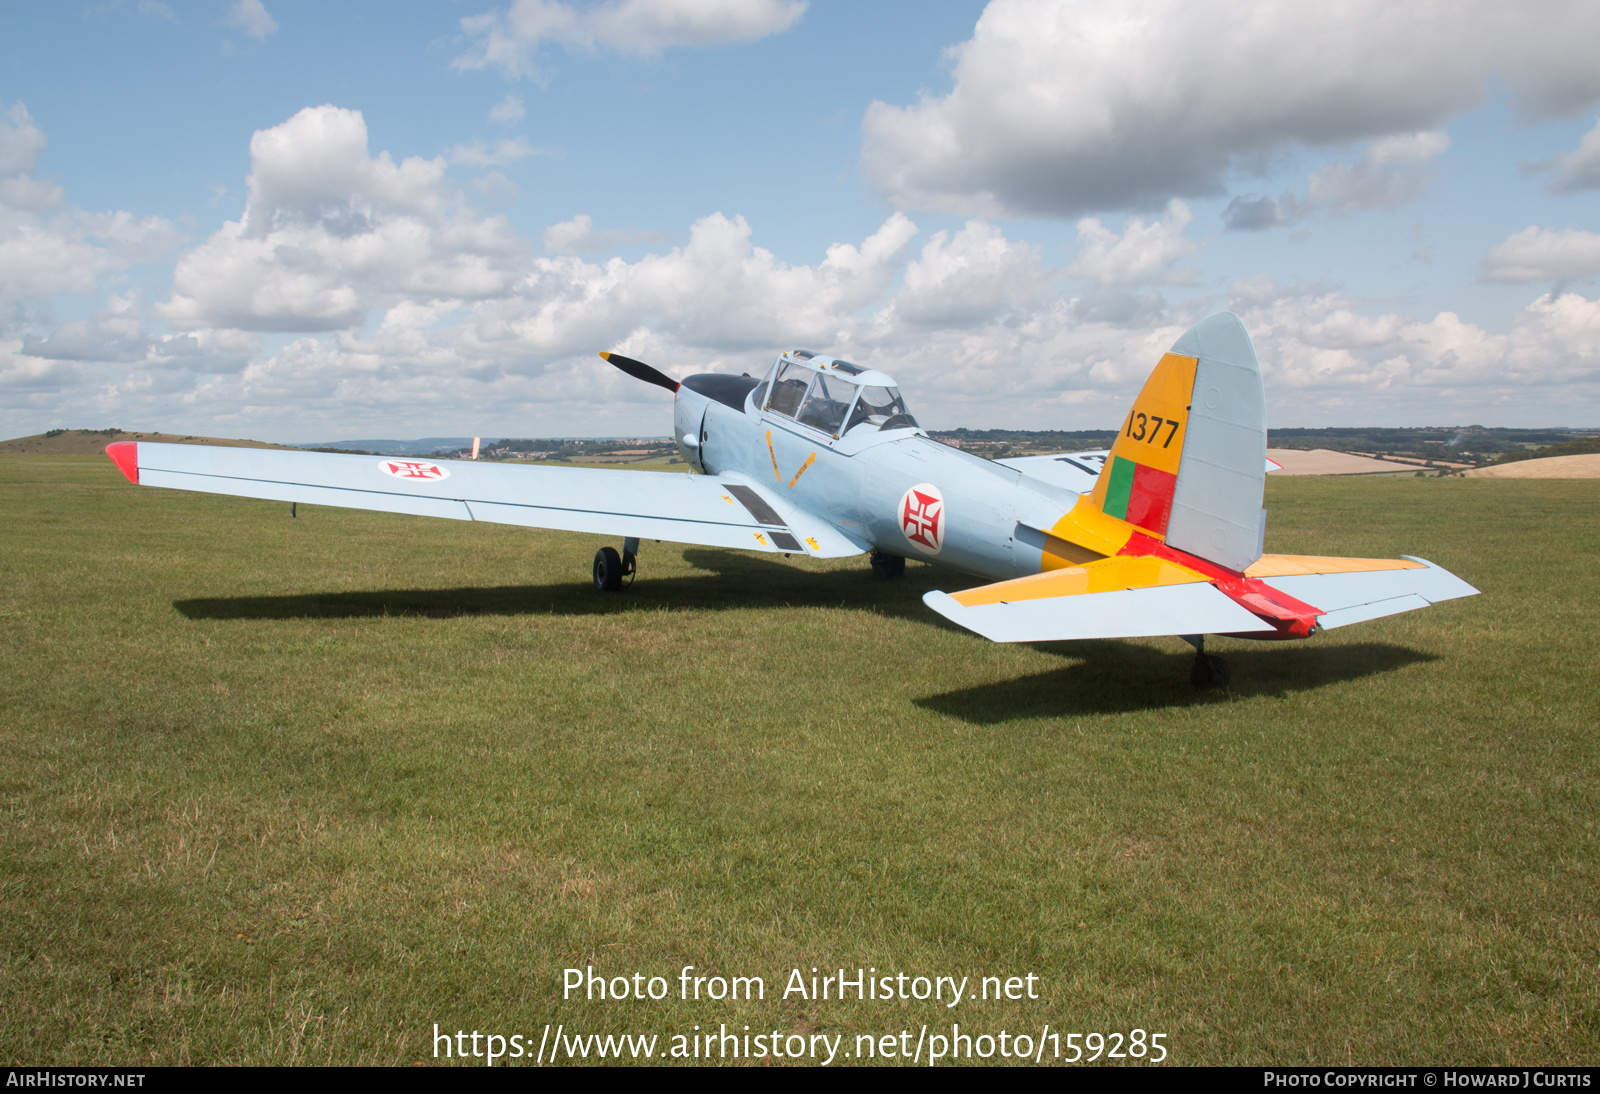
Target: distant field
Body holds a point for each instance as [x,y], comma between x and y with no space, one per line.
[92,442]
[296,790]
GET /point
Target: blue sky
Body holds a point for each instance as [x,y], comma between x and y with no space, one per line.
[303,222]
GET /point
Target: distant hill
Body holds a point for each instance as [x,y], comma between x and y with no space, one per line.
[92,442]
[426,446]
[1584,446]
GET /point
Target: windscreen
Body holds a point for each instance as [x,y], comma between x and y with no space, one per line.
[882,408]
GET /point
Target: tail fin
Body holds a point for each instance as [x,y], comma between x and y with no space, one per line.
[1190,462]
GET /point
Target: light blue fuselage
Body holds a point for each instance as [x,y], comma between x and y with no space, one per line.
[992,514]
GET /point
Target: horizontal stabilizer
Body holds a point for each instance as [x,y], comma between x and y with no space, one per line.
[1354,597]
[1194,608]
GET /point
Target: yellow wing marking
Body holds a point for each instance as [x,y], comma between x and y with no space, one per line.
[1295,565]
[761,539]
[813,544]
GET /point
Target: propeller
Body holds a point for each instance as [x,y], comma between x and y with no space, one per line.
[641,371]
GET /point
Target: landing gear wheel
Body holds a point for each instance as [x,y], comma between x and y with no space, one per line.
[1208,672]
[887,565]
[607,569]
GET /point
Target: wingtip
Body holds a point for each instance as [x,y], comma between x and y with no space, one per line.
[125,454]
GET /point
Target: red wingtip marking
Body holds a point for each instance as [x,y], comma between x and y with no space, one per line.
[125,454]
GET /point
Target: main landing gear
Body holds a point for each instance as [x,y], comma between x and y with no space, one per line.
[1209,670]
[610,568]
[887,565]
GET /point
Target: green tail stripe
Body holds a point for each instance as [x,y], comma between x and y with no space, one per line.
[1119,488]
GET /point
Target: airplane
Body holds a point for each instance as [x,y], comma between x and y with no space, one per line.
[1162,534]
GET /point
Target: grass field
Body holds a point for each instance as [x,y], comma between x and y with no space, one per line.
[294,790]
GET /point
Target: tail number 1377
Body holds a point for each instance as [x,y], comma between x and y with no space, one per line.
[1147,428]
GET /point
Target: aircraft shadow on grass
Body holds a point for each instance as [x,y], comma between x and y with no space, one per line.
[1101,676]
[1122,677]
[733,581]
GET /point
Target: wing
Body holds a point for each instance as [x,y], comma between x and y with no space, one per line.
[1075,471]
[1137,596]
[715,511]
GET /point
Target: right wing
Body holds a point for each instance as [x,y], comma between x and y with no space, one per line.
[1075,471]
[712,510]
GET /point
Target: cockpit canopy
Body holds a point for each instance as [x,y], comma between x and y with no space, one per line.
[831,395]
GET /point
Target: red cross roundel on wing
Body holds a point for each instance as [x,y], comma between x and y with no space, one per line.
[415,470]
[922,517]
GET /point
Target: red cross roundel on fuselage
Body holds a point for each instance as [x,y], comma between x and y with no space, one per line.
[415,470]
[922,517]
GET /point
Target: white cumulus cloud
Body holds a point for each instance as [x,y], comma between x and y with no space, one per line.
[1144,252]
[977,275]
[1062,107]
[1540,254]
[331,232]
[48,246]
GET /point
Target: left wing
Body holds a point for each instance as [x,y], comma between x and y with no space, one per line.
[713,510]
[1130,596]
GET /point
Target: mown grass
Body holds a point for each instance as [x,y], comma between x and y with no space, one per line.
[294,790]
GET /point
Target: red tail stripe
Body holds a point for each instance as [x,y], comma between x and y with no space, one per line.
[1252,594]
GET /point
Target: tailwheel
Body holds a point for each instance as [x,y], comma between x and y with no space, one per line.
[887,565]
[608,569]
[1209,671]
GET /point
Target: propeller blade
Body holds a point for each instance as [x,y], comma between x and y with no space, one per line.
[641,371]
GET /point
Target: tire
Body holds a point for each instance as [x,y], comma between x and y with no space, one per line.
[607,570]
[1209,672]
[1220,676]
[886,565]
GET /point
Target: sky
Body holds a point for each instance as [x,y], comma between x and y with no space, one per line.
[313,222]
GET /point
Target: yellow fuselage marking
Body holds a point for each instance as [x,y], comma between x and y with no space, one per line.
[809,461]
[775,472]
[1082,536]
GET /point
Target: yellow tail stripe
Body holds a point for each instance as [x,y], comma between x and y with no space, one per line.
[1106,576]
[1296,565]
